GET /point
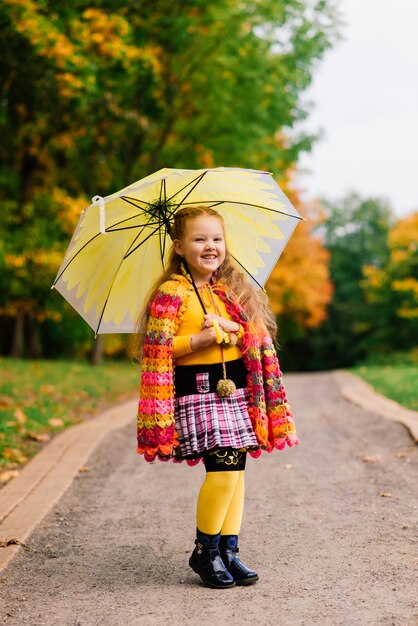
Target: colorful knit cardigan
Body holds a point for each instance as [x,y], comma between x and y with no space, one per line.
[270,414]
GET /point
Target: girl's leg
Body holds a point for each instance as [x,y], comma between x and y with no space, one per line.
[215,497]
[233,518]
[228,544]
[219,515]
[216,493]
[213,502]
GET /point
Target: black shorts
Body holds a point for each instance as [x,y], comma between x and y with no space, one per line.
[224,460]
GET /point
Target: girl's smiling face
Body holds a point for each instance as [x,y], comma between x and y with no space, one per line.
[203,246]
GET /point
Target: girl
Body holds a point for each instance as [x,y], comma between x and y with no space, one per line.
[211,387]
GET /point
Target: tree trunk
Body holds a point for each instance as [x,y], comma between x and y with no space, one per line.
[34,344]
[97,352]
[17,339]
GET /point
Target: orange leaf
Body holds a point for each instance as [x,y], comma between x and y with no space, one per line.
[20,416]
[372,458]
[14,454]
[8,475]
[56,422]
[41,437]
[5,402]
[47,389]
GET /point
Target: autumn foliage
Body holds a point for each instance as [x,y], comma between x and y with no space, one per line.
[394,286]
[300,287]
[94,96]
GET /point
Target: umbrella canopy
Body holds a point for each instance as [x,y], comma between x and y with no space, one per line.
[121,242]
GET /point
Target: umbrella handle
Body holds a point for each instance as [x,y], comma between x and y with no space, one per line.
[219,333]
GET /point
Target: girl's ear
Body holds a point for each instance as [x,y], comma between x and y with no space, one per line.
[178,247]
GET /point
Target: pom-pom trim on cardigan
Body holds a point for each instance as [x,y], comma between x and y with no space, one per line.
[269,410]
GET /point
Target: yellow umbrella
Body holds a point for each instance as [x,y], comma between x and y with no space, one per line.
[121,242]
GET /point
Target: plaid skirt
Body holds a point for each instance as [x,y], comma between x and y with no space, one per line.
[204,420]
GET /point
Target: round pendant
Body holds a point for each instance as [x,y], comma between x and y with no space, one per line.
[225,387]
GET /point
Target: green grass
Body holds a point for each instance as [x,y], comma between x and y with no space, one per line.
[32,393]
[398,382]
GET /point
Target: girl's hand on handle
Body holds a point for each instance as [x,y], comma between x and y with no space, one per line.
[227,326]
[206,337]
[218,331]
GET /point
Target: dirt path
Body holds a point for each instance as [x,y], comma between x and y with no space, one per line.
[329,546]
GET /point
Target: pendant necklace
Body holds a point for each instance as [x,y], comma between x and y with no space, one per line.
[225,386]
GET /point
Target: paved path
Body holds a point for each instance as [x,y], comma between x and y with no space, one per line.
[333,536]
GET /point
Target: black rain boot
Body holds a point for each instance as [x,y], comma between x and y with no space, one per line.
[206,561]
[228,547]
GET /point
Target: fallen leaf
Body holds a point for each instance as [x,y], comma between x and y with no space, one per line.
[5,402]
[403,454]
[386,494]
[56,422]
[11,542]
[371,458]
[8,475]
[30,397]
[47,389]
[20,416]
[14,454]
[41,437]
[84,470]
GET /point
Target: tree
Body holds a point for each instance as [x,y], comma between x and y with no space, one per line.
[299,287]
[355,232]
[94,96]
[392,289]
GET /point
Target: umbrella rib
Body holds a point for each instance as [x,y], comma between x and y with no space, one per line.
[152,206]
[133,201]
[245,270]
[72,259]
[111,229]
[161,238]
[196,181]
[163,186]
[141,243]
[134,240]
[107,297]
[256,206]
[162,246]
[126,255]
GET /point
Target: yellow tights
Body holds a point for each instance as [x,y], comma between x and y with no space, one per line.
[221,502]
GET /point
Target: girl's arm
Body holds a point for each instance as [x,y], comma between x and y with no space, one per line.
[184,344]
[228,326]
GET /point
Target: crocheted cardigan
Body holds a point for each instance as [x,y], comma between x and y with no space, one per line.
[269,411]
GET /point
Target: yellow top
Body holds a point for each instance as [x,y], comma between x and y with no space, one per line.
[191,324]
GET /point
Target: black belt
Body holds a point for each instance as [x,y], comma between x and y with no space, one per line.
[191,379]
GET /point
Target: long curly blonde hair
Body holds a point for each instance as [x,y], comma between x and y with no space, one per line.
[253,301]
